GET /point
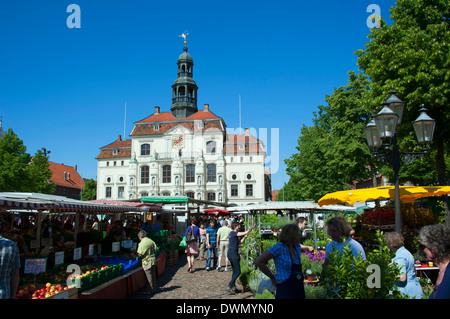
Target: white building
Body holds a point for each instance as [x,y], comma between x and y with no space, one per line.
[185,152]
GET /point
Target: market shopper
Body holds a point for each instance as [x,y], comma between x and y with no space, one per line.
[9,267]
[407,283]
[147,249]
[302,223]
[233,253]
[435,242]
[211,244]
[202,247]
[340,232]
[223,239]
[288,278]
[192,245]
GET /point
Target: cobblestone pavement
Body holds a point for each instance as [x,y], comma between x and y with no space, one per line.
[177,283]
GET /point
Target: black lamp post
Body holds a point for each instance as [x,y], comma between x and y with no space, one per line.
[381,135]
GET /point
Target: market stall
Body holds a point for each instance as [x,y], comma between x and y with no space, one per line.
[68,255]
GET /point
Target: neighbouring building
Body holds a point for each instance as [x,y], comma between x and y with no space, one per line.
[68,181]
[184,152]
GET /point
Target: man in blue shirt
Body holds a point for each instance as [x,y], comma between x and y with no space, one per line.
[211,244]
[9,267]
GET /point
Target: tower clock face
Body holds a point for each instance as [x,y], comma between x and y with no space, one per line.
[178,141]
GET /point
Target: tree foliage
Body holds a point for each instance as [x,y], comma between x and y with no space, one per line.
[413,55]
[333,152]
[90,190]
[19,171]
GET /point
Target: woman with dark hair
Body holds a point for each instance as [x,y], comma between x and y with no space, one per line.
[192,237]
[407,283]
[435,242]
[288,278]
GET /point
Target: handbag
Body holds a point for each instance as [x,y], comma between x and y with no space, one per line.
[190,235]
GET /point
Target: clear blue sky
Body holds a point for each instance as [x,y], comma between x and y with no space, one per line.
[66,89]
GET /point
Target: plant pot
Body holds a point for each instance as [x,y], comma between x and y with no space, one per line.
[310,278]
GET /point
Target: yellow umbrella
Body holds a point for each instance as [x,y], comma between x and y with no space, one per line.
[408,194]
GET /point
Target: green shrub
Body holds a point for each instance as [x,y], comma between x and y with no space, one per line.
[315,292]
[347,277]
[265,295]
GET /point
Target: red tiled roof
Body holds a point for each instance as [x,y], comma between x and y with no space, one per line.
[148,129]
[168,117]
[119,143]
[123,148]
[251,145]
[275,194]
[66,176]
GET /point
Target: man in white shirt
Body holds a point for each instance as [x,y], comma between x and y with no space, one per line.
[223,235]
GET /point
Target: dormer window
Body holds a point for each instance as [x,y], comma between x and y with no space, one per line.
[115,152]
[145,149]
[211,147]
[156,127]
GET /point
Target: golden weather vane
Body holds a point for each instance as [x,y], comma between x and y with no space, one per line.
[184,36]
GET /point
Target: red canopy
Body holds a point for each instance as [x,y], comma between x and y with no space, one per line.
[217,212]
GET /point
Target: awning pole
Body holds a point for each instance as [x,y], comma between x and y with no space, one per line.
[315,234]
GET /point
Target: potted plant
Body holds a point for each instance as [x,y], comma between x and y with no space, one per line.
[309,275]
[316,270]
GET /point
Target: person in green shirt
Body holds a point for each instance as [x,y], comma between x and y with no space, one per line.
[146,250]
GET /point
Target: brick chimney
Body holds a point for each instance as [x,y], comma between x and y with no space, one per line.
[206,108]
[119,138]
[156,109]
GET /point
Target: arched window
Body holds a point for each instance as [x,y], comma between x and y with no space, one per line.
[145,175]
[211,147]
[167,174]
[145,149]
[211,172]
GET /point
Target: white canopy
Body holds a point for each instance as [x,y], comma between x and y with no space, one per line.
[303,205]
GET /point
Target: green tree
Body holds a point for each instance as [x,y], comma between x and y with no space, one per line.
[19,171]
[333,152]
[412,55]
[13,163]
[39,175]
[90,190]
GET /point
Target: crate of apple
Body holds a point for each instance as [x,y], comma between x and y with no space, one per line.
[40,292]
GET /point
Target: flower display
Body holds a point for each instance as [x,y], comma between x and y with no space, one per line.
[317,256]
[379,216]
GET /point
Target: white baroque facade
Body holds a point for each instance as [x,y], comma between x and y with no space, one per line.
[185,152]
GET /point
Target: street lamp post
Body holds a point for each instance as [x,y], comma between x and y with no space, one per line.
[381,136]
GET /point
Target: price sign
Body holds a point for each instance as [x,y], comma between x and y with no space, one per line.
[127,243]
[34,244]
[35,266]
[115,246]
[59,258]
[47,242]
[77,253]
[91,250]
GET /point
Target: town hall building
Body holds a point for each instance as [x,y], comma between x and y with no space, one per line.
[184,152]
